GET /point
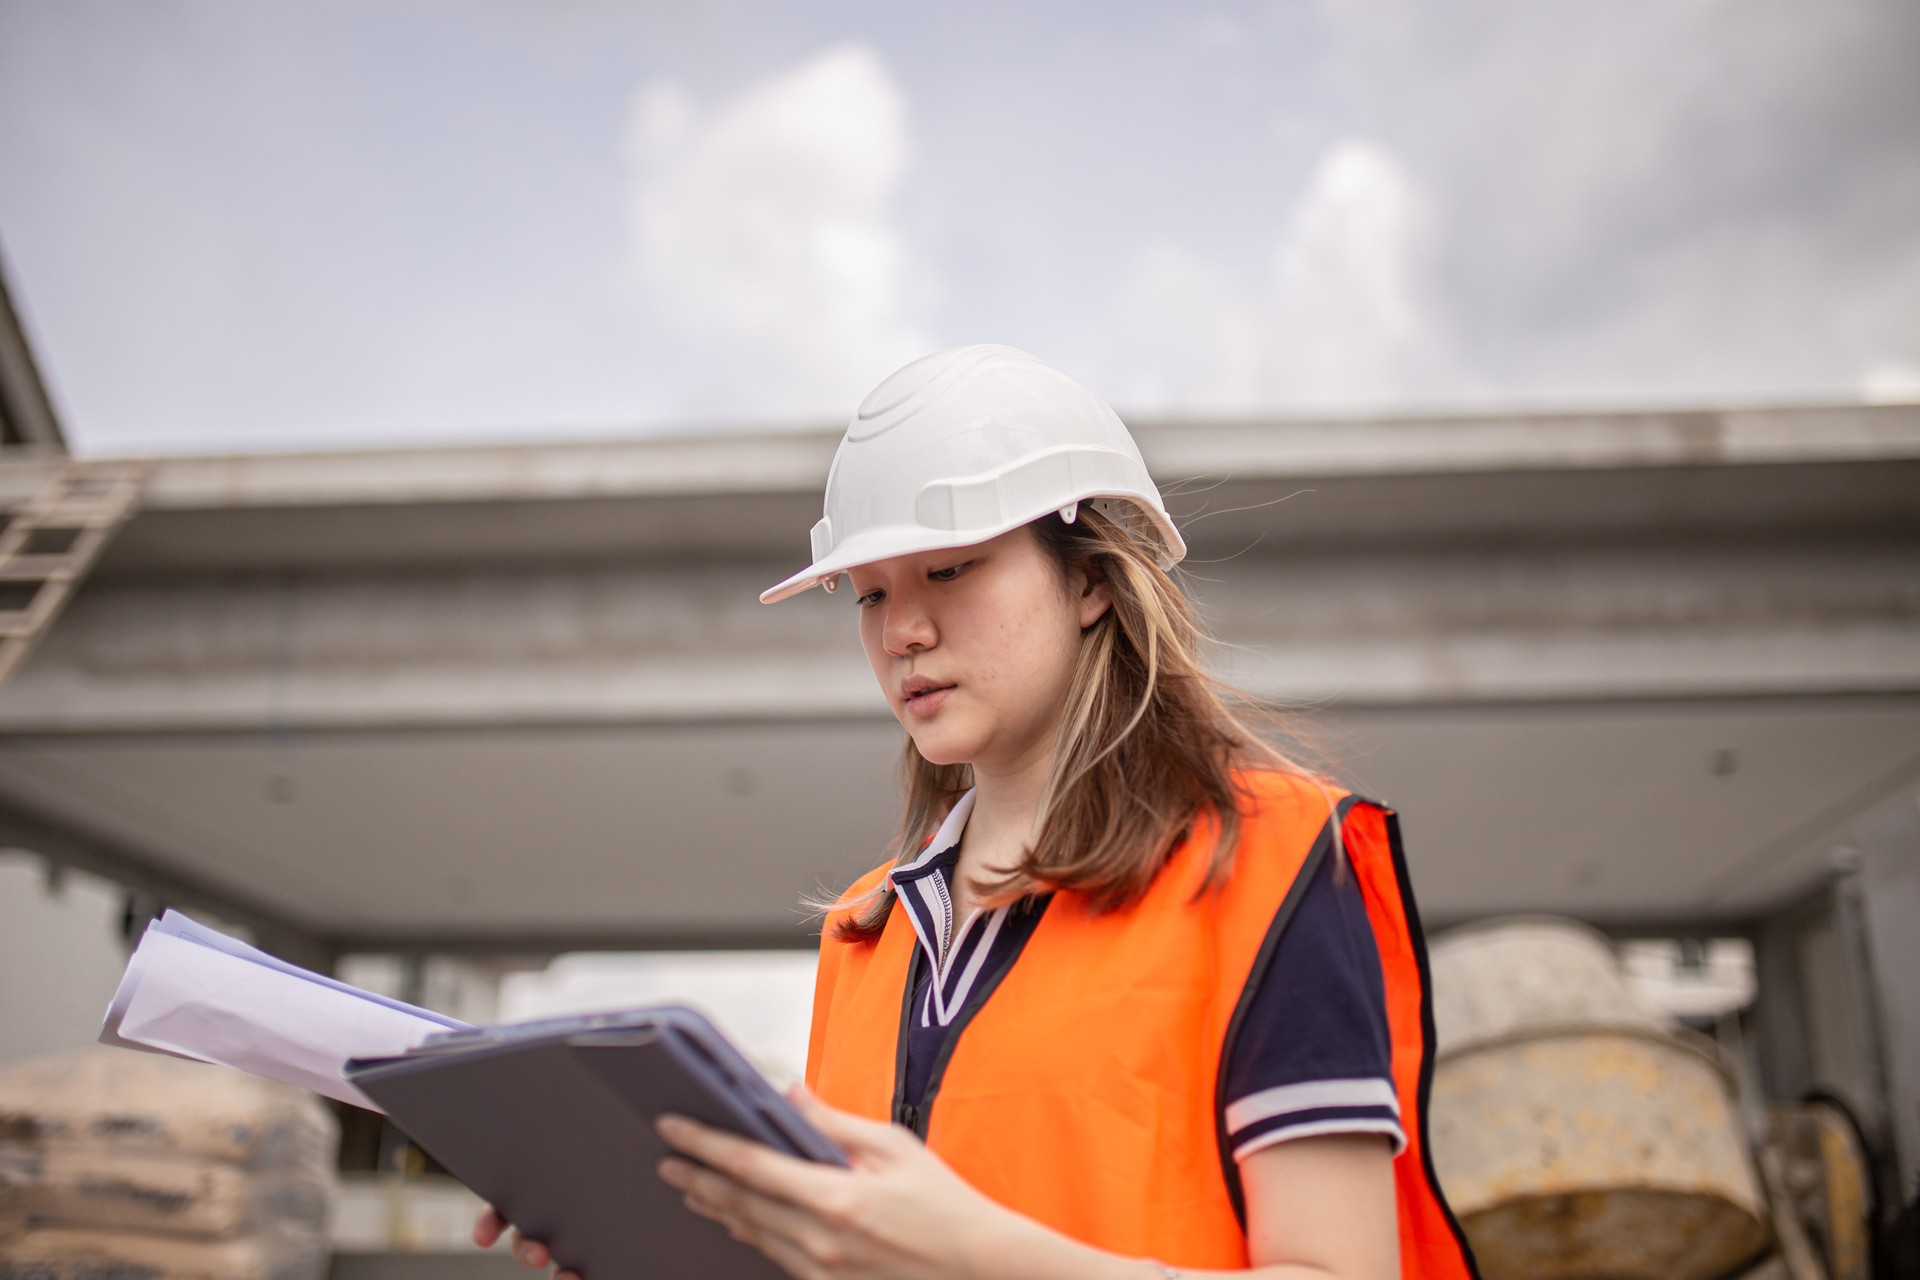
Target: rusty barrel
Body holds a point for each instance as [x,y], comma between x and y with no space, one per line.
[1578,1136]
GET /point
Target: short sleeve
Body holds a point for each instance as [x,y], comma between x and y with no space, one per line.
[1313,1054]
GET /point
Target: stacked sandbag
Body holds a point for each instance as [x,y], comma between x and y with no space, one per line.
[117,1165]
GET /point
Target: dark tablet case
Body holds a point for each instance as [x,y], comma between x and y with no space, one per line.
[558,1135]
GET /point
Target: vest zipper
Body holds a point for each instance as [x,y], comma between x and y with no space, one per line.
[904,1112]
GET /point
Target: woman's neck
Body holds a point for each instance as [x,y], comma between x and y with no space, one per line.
[1005,819]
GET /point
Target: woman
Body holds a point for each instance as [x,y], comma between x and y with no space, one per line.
[1135,995]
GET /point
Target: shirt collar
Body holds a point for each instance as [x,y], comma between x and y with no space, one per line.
[941,851]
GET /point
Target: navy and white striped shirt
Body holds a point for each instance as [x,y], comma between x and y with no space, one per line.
[1313,1054]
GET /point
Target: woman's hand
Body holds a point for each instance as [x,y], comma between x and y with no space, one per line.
[490,1226]
[899,1212]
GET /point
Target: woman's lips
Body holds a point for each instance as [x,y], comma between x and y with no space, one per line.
[927,701]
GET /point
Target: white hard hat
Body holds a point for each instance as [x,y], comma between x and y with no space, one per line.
[963,445]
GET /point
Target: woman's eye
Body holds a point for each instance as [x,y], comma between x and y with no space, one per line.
[868,600]
[948,574]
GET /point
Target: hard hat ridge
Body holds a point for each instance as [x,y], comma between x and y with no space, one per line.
[961,446]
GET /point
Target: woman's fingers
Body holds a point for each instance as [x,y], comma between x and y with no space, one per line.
[718,1196]
[792,1237]
[774,1200]
[488,1226]
[789,1255]
[755,1165]
[854,1133]
[530,1253]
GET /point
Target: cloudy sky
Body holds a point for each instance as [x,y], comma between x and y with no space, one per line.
[339,223]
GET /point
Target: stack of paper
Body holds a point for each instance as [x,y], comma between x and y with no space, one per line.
[195,993]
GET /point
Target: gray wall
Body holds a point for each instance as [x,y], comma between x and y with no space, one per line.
[60,954]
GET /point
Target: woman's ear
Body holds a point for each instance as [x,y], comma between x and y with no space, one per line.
[1092,593]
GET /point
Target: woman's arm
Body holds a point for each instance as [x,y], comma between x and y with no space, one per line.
[1318,1208]
[1323,1206]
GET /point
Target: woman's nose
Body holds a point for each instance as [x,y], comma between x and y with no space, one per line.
[908,628]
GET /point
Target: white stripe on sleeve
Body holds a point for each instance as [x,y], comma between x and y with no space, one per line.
[1315,1127]
[1310,1095]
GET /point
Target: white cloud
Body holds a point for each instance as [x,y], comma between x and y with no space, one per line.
[765,242]
[1351,325]
[1891,383]
[1185,333]
[1337,320]
[1688,198]
[1590,201]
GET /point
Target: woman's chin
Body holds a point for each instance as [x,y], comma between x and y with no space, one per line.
[942,748]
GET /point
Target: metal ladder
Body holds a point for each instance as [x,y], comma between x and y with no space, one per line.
[51,540]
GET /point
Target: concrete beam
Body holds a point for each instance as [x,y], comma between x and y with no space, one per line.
[568,644]
[1278,484]
[1176,450]
[26,411]
[61,844]
[1222,516]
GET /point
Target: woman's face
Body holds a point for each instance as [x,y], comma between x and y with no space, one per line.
[975,647]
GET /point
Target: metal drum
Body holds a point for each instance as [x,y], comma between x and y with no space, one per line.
[1576,1136]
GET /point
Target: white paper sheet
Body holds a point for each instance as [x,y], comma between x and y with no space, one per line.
[195,993]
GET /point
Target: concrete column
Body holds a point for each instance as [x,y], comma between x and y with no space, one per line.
[1784,1038]
[1886,846]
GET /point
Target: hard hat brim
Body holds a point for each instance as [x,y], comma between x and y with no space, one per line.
[865,548]
[884,544]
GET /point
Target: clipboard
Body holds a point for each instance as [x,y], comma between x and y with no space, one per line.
[552,1123]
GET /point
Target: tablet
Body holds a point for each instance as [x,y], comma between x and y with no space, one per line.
[552,1123]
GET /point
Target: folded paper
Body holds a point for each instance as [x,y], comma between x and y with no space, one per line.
[195,993]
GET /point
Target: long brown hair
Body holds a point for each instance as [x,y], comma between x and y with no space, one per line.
[1149,742]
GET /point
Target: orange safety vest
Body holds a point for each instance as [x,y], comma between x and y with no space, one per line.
[1085,1090]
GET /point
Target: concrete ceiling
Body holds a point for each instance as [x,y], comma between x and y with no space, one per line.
[661,834]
